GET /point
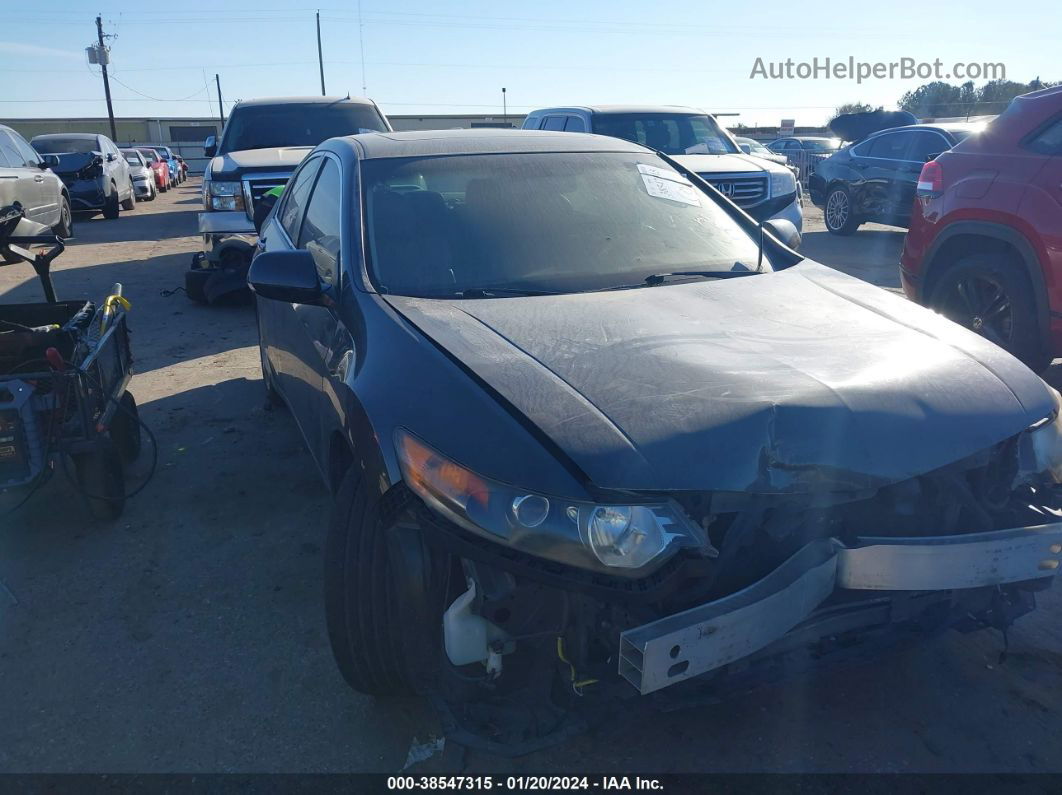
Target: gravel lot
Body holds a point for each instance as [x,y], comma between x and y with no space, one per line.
[189,636]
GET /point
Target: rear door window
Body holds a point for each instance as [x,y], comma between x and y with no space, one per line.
[892,146]
[574,124]
[555,123]
[925,143]
[1049,140]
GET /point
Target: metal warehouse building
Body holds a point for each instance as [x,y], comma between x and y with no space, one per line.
[186,135]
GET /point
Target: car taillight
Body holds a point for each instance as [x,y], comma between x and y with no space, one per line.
[931,180]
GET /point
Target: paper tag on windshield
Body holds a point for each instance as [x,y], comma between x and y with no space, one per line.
[664,184]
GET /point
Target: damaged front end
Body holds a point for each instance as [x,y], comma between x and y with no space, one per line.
[542,633]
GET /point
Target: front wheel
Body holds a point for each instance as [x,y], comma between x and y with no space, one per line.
[111,206]
[130,203]
[385,639]
[839,214]
[989,294]
[126,428]
[65,227]
[101,479]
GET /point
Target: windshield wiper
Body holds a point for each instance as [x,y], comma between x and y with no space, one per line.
[654,279]
[488,292]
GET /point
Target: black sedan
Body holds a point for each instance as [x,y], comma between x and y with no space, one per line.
[875,179]
[589,428]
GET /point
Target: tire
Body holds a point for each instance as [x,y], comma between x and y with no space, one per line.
[101,478]
[990,294]
[164,188]
[195,284]
[65,227]
[839,218]
[126,430]
[112,207]
[130,203]
[376,641]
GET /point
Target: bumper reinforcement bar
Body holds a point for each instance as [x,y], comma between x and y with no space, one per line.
[711,635]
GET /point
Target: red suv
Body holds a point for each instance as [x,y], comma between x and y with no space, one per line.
[984,246]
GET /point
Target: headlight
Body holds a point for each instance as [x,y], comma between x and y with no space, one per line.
[591,535]
[1042,446]
[225,195]
[782,182]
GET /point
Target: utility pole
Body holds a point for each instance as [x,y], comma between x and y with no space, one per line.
[320,57]
[106,83]
[221,108]
[505,107]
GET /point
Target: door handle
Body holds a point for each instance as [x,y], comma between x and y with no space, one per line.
[38,178]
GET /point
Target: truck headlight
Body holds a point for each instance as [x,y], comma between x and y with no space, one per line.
[782,182]
[624,537]
[1041,452]
[225,195]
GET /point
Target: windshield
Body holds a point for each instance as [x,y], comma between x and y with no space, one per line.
[551,222]
[671,133]
[57,146]
[269,126]
[821,145]
[756,146]
[150,157]
[132,158]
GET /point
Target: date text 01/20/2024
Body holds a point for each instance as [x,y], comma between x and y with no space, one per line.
[523,783]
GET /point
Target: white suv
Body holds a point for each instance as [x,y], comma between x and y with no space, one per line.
[766,191]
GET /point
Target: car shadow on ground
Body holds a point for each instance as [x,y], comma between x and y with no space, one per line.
[203,603]
[870,254]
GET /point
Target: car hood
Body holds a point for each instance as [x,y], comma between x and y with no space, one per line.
[69,163]
[725,164]
[285,158]
[795,381]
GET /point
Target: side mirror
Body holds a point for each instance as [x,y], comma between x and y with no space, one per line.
[289,276]
[110,158]
[210,146]
[42,164]
[784,231]
[745,148]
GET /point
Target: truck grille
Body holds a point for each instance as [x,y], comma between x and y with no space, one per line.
[255,189]
[743,190]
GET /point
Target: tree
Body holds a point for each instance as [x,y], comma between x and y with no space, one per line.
[934,99]
[851,107]
[940,99]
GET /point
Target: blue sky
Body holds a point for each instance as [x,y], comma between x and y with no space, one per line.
[443,57]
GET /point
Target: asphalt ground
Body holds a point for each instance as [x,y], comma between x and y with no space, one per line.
[189,636]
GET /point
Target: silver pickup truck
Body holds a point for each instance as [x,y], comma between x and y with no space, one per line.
[263,142]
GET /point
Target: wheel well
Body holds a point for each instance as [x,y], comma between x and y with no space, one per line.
[340,459]
[959,246]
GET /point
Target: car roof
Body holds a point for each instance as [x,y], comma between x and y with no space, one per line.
[425,143]
[950,127]
[605,110]
[302,101]
[67,136]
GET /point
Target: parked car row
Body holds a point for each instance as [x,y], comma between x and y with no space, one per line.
[983,208]
[54,176]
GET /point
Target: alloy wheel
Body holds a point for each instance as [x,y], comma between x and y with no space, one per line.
[837,209]
[980,303]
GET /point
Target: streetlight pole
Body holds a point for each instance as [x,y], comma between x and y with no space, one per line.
[505,107]
[106,82]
